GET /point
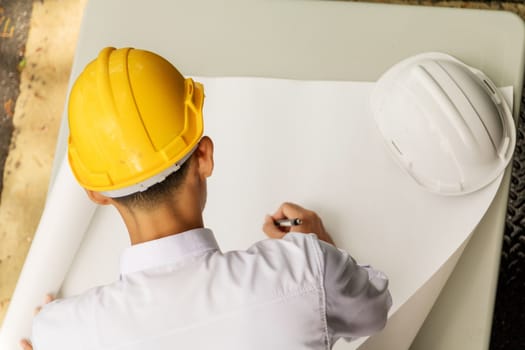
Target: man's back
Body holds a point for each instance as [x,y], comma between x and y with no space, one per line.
[182,292]
[136,143]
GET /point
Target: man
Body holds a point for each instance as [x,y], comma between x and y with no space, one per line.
[136,143]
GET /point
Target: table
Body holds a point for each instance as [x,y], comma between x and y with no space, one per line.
[332,40]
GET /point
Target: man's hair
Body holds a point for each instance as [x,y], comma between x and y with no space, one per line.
[157,193]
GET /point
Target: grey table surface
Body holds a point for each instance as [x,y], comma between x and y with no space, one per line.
[332,40]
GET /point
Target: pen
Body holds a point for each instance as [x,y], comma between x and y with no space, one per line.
[288,222]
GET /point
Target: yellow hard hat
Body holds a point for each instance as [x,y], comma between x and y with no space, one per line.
[133,120]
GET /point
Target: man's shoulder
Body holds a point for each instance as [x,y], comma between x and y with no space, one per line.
[63,310]
[294,253]
[64,321]
[291,245]
[76,310]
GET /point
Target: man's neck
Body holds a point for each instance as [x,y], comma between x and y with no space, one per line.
[164,220]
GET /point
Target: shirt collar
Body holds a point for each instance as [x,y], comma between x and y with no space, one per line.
[167,250]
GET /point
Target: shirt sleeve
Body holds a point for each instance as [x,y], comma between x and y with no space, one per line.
[357,297]
[63,325]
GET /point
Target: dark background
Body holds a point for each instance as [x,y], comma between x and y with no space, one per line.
[14,26]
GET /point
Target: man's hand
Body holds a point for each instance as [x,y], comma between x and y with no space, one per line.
[311,222]
[24,343]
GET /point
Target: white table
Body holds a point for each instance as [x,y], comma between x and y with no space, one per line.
[328,40]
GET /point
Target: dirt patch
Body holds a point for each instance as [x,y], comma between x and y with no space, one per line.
[14,27]
[45,67]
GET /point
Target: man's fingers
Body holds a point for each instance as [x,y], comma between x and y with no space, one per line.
[48,298]
[37,310]
[289,210]
[278,214]
[286,210]
[271,229]
[25,345]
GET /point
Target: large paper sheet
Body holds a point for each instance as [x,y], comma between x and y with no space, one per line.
[314,143]
[60,232]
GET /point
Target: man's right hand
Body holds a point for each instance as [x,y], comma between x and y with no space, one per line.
[311,222]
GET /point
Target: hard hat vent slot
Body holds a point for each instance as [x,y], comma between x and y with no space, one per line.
[490,87]
[504,148]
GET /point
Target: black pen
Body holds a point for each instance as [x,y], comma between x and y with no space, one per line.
[288,222]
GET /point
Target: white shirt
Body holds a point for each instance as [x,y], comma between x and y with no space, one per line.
[182,292]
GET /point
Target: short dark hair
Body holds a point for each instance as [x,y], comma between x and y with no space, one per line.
[157,193]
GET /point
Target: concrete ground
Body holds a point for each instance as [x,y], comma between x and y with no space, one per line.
[54,27]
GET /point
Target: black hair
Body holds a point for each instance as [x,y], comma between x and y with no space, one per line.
[157,193]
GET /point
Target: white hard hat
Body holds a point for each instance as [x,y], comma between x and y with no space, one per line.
[445,122]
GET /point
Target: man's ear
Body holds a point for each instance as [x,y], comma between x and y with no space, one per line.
[205,157]
[99,198]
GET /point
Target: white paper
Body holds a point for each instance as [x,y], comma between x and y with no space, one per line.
[314,143]
[64,221]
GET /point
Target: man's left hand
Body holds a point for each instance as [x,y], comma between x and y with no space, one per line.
[26,344]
